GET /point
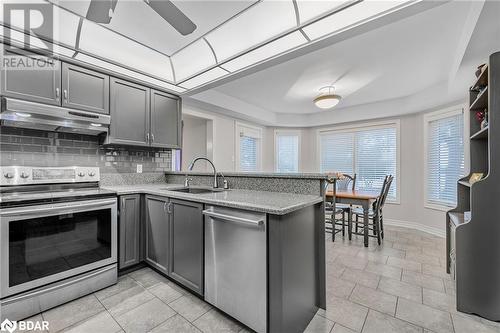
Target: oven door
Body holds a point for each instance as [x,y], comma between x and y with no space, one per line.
[42,244]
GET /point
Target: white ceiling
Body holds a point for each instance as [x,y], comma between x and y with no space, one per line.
[406,58]
[136,20]
[233,36]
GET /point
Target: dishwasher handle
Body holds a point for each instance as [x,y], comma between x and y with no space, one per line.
[230,218]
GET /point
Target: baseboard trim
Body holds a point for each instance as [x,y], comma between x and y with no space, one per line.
[417,226]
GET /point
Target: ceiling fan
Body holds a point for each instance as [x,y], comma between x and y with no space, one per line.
[101,11]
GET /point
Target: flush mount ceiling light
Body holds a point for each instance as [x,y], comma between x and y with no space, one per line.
[327,98]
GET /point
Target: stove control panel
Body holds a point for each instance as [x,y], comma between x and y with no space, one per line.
[17,175]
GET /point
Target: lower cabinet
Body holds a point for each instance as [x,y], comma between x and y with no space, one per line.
[129,230]
[186,244]
[157,233]
[171,237]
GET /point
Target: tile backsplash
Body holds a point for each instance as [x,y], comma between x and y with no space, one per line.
[29,147]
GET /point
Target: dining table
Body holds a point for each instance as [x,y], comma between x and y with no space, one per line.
[360,198]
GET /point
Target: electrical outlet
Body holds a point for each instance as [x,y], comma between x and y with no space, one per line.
[139,168]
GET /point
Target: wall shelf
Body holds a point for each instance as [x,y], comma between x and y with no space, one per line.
[465,183]
[481,134]
[481,101]
[482,80]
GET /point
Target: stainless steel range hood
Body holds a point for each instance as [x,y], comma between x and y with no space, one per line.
[23,114]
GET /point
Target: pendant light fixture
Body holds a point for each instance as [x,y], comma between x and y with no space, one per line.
[327,98]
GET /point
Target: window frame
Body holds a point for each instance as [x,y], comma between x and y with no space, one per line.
[278,132]
[396,124]
[429,117]
[238,128]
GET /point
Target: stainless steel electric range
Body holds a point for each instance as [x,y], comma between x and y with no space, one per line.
[58,237]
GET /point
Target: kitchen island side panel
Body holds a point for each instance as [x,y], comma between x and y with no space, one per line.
[293,270]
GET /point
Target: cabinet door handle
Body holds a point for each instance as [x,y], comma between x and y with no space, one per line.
[65,93]
[152,137]
[58,94]
[165,209]
[147,137]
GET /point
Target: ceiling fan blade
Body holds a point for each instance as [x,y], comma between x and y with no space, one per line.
[173,15]
[101,11]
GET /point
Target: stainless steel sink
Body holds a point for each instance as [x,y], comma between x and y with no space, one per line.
[197,190]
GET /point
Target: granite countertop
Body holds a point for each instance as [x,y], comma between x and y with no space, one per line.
[276,203]
[253,174]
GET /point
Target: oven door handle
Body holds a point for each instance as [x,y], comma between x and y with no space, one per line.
[30,210]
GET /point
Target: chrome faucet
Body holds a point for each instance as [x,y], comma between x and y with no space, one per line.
[215,185]
[187,180]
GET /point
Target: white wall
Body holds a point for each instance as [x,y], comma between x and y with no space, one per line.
[194,141]
[410,211]
[224,143]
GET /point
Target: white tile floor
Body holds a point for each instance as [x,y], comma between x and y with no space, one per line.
[401,286]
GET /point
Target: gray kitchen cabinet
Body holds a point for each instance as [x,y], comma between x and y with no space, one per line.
[129,113]
[42,85]
[84,89]
[157,232]
[165,120]
[129,228]
[186,244]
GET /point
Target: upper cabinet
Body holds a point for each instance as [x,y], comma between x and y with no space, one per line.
[140,116]
[84,89]
[143,117]
[129,113]
[165,120]
[42,86]
[63,85]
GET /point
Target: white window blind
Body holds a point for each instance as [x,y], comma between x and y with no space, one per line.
[371,153]
[249,149]
[337,152]
[287,152]
[376,157]
[445,159]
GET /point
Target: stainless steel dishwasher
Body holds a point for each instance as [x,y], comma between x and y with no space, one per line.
[235,264]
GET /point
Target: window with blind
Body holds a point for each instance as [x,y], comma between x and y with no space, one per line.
[444,158]
[287,151]
[249,148]
[370,153]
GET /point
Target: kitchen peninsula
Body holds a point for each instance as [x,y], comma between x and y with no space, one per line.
[256,254]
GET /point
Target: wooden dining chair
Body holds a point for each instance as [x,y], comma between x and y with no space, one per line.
[381,214]
[331,211]
[346,183]
[375,214]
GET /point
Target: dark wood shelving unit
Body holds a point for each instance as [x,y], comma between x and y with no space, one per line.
[473,244]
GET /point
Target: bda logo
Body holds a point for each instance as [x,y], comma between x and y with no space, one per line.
[8,325]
